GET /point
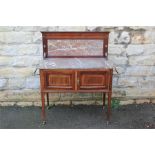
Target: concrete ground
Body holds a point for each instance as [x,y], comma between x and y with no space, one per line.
[78,117]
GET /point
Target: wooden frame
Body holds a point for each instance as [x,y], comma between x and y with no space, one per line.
[76,80]
[75,35]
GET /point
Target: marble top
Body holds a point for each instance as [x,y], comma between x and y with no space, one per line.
[75,63]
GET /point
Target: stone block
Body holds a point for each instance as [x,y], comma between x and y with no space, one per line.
[149,37]
[50,28]
[56,103]
[120,70]
[141,27]
[147,60]
[116,49]
[37,37]
[3,83]
[119,37]
[100,28]
[113,37]
[24,61]
[26,28]
[10,72]
[22,95]
[97,95]
[21,49]
[146,82]
[19,61]
[141,101]
[152,101]
[33,82]
[6,28]
[38,104]
[16,83]
[127,82]
[34,28]
[135,50]
[66,96]
[82,96]
[75,96]
[89,102]
[124,38]
[5,60]
[140,71]
[24,104]
[71,28]
[137,37]
[118,92]
[16,37]
[7,103]
[145,49]
[66,103]
[143,36]
[119,28]
[149,49]
[21,104]
[126,102]
[115,81]
[91,28]
[140,92]
[53,97]
[99,102]
[118,60]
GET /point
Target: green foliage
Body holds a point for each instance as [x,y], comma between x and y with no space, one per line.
[115,103]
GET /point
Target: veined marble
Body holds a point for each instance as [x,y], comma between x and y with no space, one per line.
[75,63]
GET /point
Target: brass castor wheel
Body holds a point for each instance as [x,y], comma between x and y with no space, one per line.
[43,122]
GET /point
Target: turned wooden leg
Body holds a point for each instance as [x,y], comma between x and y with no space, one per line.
[103,98]
[43,108]
[109,106]
[47,95]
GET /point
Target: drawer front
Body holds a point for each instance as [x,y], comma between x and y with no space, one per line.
[88,80]
[59,80]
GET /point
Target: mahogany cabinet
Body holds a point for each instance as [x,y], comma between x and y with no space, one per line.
[75,62]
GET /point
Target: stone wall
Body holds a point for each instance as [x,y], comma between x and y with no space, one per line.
[132,49]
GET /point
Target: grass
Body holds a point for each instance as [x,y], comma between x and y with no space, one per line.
[115,103]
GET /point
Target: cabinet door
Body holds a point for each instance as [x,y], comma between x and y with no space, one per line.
[89,80]
[60,80]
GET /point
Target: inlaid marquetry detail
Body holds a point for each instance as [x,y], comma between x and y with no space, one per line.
[60,80]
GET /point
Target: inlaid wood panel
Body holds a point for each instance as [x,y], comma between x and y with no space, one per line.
[60,80]
[92,80]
